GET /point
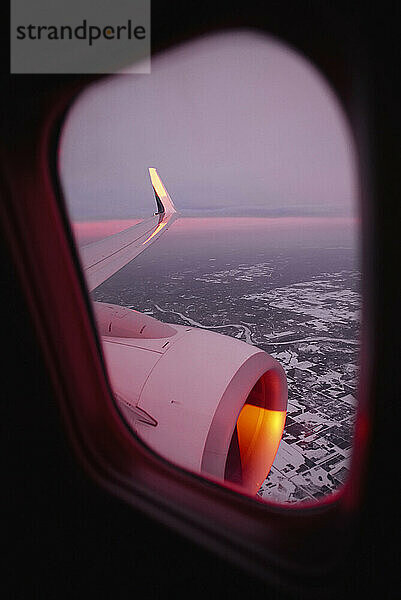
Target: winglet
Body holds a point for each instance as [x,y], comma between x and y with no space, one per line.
[164,203]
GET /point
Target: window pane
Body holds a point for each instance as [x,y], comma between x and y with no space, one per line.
[260,273]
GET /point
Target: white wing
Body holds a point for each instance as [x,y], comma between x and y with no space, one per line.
[102,259]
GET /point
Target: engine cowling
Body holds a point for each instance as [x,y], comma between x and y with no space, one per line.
[205,401]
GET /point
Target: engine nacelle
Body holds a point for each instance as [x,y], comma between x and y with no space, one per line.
[205,401]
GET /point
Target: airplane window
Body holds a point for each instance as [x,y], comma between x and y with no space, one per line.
[214,204]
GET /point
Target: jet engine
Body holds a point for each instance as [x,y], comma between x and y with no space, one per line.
[205,401]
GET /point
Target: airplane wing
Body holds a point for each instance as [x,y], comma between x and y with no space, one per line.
[102,259]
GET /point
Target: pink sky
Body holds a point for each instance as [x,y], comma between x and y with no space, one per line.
[237,124]
[91,231]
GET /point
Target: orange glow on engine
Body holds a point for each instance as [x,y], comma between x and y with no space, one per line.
[158,228]
[259,434]
[256,435]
